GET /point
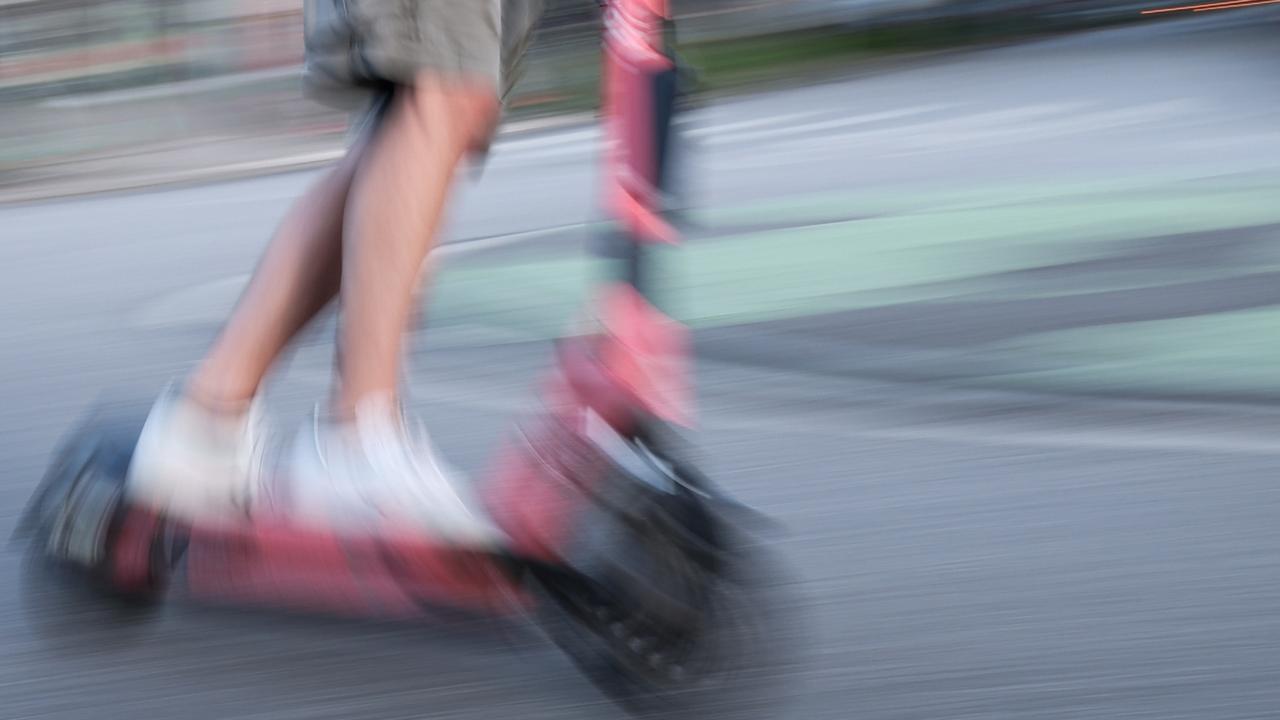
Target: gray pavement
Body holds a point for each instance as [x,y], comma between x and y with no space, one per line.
[960,550]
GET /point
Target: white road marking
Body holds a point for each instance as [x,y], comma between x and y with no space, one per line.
[987,129]
[210,302]
[989,121]
[820,126]
[470,246]
[705,129]
[774,127]
[1078,124]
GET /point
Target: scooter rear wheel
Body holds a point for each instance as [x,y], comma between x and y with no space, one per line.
[84,543]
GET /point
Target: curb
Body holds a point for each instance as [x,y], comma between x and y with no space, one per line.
[70,187]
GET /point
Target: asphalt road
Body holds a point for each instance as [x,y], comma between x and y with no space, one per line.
[957,551]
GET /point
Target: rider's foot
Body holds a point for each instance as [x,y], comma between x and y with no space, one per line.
[381,472]
[191,462]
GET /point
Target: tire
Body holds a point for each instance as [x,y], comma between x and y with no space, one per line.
[73,530]
[664,633]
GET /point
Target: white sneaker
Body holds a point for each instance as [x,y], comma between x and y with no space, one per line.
[191,464]
[374,474]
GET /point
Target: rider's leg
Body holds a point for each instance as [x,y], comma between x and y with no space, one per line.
[453,69]
[393,215]
[200,448]
[299,275]
[364,464]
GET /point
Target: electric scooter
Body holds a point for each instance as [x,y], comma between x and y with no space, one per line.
[628,557]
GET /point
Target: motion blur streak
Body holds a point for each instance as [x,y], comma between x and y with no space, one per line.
[1209,6]
[1242,5]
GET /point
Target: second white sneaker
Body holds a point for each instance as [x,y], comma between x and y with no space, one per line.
[379,472]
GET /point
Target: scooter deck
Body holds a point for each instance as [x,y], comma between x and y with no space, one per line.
[278,563]
[269,559]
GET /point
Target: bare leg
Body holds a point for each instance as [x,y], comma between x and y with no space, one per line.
[297,277]
[392,217]
[202,455]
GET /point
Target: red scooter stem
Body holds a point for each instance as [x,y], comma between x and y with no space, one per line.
[638,91]
[641,352]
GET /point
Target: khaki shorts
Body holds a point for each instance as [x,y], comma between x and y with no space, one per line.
[464,38]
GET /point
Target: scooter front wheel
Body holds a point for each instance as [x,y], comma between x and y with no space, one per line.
[664,628]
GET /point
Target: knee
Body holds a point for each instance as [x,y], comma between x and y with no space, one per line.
[459,112]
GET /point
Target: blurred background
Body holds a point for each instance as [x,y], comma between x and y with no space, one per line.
[190,82]
[986,304]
